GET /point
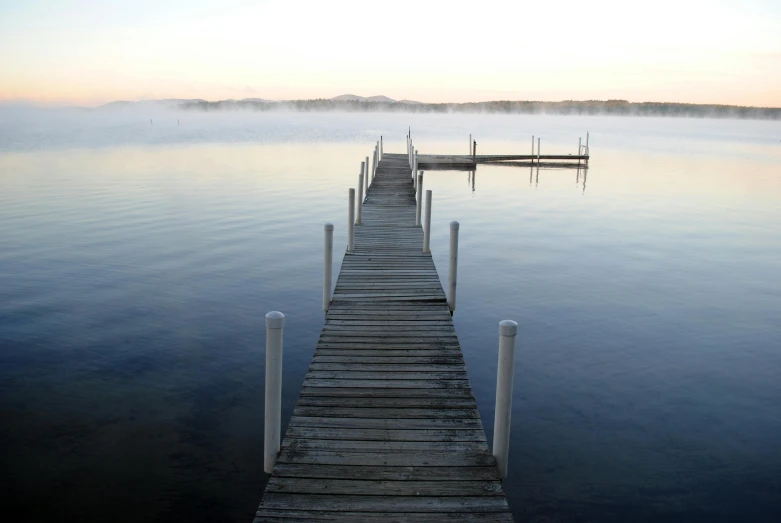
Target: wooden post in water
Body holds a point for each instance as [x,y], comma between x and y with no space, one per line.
[415,162]
[427,224]
[275,322]
[360,196]
[381,150]
[474,153]
[351,221]
[419,204]
[452,273]
[587,151]
[328,264]
[470,143]
[366,179]
[538,150]
[504,394]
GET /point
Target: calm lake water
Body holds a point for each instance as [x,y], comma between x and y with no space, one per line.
[137,263]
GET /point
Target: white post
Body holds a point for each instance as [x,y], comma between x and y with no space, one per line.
[532,147]
[411,154]
[419,204]
[275,322]
[381,148]
[360,196]
[328,264]
[351,221]
[427,224]
[366,179]
[587,151]
[580,141]
[374,167]
[504,394]
[451,277]
[470,144]
[415,162]
[538,150]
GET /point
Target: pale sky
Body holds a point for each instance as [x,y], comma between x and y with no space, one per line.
[91,52]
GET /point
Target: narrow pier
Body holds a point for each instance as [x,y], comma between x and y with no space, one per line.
[386,427]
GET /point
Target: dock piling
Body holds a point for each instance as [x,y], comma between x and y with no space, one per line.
[328,264]
[538,150]
[275,322]
[351,221]
[360,196]
[504,394]
[419,204]
[427,224]
[381,147]
[415,162]
[453,269]
[470,143]
[366,179]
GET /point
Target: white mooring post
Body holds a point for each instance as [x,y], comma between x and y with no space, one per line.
[351,221]
[374,169]
[470,144]
[419,204]
[504,394]
[328,264]
[532,147]
[580,145]
[381,147]
[427,224]
[366,179]
[538,150]
[452,273]
[415,162]
[587,151]
[275,323]
[360,197]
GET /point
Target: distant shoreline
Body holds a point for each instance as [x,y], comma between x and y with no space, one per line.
[589,107]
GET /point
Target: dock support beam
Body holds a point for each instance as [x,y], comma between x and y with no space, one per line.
[328,264]
[504,394]
[427,224]
[351,221]
[452,273]
[275,322]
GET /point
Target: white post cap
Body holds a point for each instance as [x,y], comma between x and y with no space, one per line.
[454,226]
[328,226]
[275,320]
[508,328]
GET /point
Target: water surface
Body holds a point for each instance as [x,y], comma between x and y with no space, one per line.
[137,262]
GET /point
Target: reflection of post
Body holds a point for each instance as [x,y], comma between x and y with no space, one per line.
[531,175]
[585,174]
[474,175]
[537,179]
[577,176]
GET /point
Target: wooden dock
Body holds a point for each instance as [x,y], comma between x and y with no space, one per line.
[386,427]
[468,162]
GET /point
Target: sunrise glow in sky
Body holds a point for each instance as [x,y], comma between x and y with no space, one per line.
[90,52]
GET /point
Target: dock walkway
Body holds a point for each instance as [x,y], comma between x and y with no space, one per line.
[386,427]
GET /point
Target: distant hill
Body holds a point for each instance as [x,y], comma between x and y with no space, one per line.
[356,98]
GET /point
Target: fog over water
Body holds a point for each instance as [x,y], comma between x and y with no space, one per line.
[137,260]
